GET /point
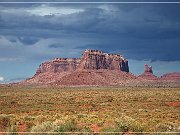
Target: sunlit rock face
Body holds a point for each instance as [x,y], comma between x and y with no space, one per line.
[148,73]
[59,65]
[90,60]
[96,68]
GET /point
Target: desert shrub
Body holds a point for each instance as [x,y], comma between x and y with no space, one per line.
[125,124]
[69,126]
[29,124]
[4,121]
[94,119]
[81,115]
[13,130]
[167,127]
[44,127]
[85,129]
[28,118]
[109,130]
[40,119]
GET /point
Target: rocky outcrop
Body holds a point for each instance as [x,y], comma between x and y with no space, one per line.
[96,68]
[93,68]
[58,65]
[148,73]
[148,69]
[171,77]
[91,60]
[95,59]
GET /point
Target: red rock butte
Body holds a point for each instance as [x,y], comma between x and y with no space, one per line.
[91,60]
[96,68]
[148,73]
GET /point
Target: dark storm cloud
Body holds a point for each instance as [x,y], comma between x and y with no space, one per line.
[140,49]
[28,40]
[139,31]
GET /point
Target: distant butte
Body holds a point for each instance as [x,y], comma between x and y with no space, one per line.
[171,76]
[148,73]
[96,68]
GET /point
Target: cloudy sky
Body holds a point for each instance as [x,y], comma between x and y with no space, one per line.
[35,32]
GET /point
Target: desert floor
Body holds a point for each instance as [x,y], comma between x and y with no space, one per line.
[89,109]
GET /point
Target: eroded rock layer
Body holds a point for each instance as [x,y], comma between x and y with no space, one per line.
[148,73]
[91,60]
[96,68]
[59,65]
[171,76]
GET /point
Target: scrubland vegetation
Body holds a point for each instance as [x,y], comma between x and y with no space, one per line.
[89,109]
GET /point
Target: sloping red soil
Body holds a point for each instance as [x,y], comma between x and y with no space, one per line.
[95,128]
[82,77]
[22,128]
[102,77]
[174,104]
[97,77]
[148,76]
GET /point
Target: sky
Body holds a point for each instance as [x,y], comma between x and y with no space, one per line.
[35,32]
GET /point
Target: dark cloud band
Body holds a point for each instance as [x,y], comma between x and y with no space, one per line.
[139,31]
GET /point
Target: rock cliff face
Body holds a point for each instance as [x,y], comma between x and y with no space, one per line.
[148,73]
[96,68]
[91,60]
[148,69]
[58,65]
[95,59]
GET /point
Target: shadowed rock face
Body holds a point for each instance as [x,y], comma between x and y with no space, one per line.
[148,69]
[91,60]
[95,59]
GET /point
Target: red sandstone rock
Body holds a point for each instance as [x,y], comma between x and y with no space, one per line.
[95,77]
[95,59]
[96,68]
[59,65]
[171,76]
[93,68]
[148,73]
[148,69]
[91,60]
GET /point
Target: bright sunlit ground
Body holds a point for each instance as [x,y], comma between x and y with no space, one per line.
[89,109]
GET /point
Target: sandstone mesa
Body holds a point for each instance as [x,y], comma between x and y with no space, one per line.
[91,60]
[96,68]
